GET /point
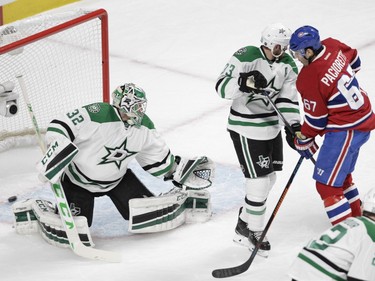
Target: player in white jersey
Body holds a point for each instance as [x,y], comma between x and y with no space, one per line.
[346,251]
[254,125]
[108,137]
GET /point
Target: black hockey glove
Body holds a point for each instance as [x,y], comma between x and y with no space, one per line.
[252,82]
[290,136]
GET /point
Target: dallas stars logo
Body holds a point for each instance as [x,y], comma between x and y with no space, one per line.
[117,154]
[263,162]
[275,91]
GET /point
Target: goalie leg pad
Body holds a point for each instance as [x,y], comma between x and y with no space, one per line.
[25,219]
[168,211]
[198,206]
[43,219]
[156,214]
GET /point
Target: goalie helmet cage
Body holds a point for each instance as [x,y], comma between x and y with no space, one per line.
[63,58]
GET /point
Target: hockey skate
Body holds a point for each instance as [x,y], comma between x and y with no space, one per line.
[247,238]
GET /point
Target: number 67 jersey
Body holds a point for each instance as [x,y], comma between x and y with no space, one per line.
[330,92]
[345,250]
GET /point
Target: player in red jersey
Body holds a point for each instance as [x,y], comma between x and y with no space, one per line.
[335,106]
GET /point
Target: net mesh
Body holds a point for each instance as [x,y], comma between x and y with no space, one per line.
[61,71]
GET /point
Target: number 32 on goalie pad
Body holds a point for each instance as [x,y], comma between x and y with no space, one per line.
[168,211]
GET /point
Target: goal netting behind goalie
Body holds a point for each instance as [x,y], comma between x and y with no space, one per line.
[64,62]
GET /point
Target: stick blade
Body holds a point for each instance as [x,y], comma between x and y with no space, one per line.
[228,272]
[96,254]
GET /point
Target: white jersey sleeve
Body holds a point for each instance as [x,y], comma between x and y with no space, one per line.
[155,156]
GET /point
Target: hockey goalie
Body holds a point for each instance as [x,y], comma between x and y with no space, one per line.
[89,149]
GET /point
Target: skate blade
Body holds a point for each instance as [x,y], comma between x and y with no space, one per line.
[243,241]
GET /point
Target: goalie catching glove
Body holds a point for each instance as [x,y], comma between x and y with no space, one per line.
[196,173]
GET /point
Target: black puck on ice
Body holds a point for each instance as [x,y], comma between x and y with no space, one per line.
[12,199]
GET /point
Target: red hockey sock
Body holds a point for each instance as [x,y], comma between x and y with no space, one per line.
[337,208]
[351,193]
[336,205]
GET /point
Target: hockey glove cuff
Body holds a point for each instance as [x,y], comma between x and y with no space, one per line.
[296,127]
[306,147]
[252,82]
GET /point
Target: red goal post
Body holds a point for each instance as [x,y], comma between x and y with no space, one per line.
[64,60]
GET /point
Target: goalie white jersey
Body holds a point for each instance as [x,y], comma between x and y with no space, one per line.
[345,250]
[106,146]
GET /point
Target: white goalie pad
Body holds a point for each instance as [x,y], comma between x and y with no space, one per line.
[59,154]
[37,215]
[168,211]
[195,173]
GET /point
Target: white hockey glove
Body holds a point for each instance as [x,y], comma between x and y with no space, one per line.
[197,173]
[58,156]
[37,215]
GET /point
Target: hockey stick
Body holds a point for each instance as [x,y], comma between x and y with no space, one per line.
[281,116]
[232,271]
[64,211]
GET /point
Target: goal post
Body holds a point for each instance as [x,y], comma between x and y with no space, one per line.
[64,60]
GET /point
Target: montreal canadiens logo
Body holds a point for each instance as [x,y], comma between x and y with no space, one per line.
[301,34]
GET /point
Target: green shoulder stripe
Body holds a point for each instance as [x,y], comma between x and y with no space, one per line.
[101,112]
[146,121]
[370,226]
[248,54]
[287,59]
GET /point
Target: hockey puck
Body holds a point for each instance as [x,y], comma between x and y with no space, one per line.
[12,199]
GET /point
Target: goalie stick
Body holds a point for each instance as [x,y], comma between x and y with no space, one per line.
[232,271]
[66,216]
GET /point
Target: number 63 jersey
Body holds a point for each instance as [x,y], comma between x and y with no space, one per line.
[345,250]
[331,95]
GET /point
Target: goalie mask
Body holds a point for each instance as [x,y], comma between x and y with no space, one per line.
[131,101]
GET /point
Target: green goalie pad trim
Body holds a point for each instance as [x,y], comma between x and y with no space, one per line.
[167,214]
[157,217]
[59,236]
[200,203]
[22,216]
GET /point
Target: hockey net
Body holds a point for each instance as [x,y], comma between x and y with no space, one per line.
[63,59]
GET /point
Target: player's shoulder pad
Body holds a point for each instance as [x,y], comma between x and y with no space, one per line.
[287,59]
[102,112]
[248,54]
[369,225]
[147,122]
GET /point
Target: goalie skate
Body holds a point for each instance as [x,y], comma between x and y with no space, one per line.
[247,238]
